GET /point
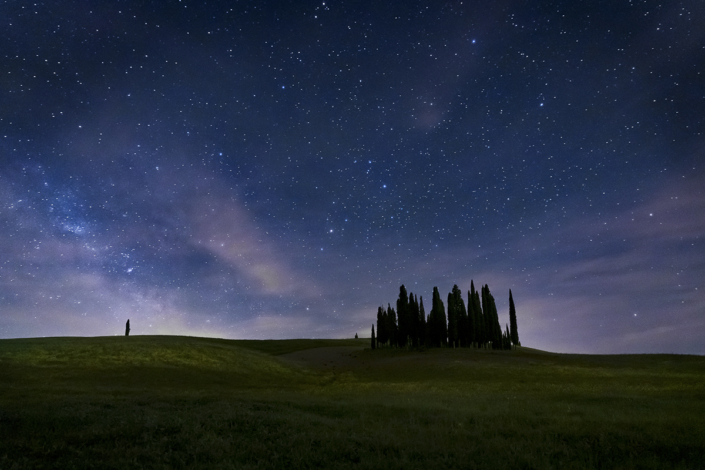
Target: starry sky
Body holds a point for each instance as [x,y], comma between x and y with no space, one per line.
[277,169]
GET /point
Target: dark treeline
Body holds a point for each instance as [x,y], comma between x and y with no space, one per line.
[472,324]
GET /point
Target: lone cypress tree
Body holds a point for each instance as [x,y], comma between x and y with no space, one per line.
[514,333]
[127,328]
[373,336]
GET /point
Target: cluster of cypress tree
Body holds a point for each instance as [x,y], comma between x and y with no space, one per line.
[476,325]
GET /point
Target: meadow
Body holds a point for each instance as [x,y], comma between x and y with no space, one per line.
[182,402]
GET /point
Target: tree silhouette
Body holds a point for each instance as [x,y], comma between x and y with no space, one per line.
[514,333]
[381,324]
[460,334]
[373,336]
[491,319]
[462,319]
[506,339]
[423,327]
[486,324]
[437,321]
[392,326]
[477,326]
[403,317]
[413,320]
[478,317]
[452,321]
[127,328]
[472,323]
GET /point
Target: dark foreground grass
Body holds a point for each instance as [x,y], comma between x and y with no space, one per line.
[175,402]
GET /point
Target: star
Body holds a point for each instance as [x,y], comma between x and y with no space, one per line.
[189,164]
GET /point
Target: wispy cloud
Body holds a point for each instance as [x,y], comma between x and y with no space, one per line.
[224,228]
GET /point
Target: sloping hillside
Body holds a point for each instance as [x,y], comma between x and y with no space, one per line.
[142,362]
[202,403]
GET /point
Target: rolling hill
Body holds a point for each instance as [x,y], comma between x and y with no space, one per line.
[185,402]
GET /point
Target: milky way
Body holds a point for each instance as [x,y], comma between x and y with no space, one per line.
[278,169]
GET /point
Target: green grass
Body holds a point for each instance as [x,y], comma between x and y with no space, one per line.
[284,346]
[182,402]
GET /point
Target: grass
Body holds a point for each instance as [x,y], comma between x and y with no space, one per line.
[181,402]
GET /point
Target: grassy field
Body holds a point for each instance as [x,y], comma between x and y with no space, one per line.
[182,402]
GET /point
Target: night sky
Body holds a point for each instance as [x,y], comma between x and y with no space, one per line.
[272,169]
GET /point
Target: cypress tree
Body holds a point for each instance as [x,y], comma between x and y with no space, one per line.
[403,317]
[472,327]
[452,321]
[373,336]
[423,338]
[486,325]
[387,329]
[438,320]
[413,320]
[489,317]
[392,325]
[431,323]
[442,320]
[433,320]
[497,326]
[462,319]
[514,333]
[429,330]
[431,326]
[479,318]
[381,324]
[457,327]
[494,329]
[463,322]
